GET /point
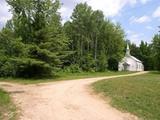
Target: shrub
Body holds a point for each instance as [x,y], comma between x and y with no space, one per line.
[88,63]
[113,64]
[74,68]
[102,63]
[25,67]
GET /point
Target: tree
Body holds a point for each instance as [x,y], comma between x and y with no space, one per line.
[156,51]
[91,35]
[144,53]
[36,40]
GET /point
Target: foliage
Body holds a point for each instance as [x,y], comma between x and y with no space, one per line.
[73,68]
[93,38]
[33,41]
[144,53]
[113,64]
[25,67]
[156,51]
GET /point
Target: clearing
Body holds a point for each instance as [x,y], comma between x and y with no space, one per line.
[139,95]
[64,100]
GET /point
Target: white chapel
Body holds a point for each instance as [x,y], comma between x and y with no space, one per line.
[130,63]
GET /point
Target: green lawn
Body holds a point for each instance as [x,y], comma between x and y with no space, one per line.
[139,95]
[63,76]
[7,109]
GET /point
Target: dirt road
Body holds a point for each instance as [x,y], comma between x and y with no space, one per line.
[64,100]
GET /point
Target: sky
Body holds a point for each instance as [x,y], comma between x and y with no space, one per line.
[138,18]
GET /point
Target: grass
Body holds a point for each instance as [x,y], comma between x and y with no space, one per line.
[139,95]
[7,108]
[63,76]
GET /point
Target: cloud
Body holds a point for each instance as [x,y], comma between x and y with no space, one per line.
[135,37]
[149,28]
[4,19]
[4,13]
[156,13]
[142,19]
[65,13]
[113,7]
[144,1]
[110,7]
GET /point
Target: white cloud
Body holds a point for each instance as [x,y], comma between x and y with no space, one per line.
[129,32]
[110,7]
[4,19]
[149,28]
[135,37]
[4,12]
[65,13]
[142,19]
[144,1]
[113,7]
[157,12]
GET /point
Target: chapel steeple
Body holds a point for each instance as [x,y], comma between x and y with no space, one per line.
[127,50]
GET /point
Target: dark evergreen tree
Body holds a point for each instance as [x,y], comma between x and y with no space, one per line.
[35,38]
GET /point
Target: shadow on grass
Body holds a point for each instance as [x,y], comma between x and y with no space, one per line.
[155,72]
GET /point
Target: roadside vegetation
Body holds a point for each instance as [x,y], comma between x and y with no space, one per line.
[139,95]
[7,108]
[35,43]
[63,76]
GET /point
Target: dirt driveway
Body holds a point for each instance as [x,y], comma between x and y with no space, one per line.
[64,100]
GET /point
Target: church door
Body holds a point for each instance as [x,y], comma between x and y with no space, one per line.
[126,67]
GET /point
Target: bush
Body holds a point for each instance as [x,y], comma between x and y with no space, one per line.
[74,68]
[88,63]
[7,69]
[102,63]
[113,64]
[25,67]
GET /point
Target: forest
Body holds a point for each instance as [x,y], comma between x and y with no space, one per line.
[35,43]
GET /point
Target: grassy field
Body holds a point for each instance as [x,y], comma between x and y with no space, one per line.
[139,95]
[63,76]
[7,109]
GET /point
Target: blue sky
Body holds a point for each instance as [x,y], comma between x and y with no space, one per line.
[138,18]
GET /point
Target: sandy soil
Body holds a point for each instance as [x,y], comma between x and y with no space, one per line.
[64,100]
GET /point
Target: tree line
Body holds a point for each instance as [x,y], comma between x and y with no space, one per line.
[149,54]
[34,43]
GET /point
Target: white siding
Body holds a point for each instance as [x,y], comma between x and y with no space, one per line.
[133,64]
